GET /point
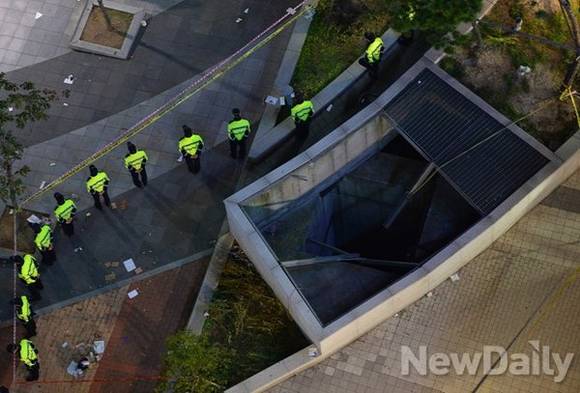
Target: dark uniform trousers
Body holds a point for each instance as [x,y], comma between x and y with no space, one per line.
[35,289]
[33,372]
[135,176]
[97,198]
[30,327]
[193,164]
[48,256]
[373,68]
[238,147]
[302,128]
[68,228]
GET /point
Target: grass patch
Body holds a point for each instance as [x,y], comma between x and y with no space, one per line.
[333,45]
[247,329]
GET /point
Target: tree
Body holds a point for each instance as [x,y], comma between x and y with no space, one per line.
[434,18]
[192,364]
[20,104]
[574,29]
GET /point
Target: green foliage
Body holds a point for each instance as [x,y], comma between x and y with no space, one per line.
[435,18]
[331,45]
[246,331]
[21,104]
[192,364]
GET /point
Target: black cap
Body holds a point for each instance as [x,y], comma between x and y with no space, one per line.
[187,131]
[17,258]
[93,169]
[59,197]
[132,148]
[370,36]
[11,348]
[236,111]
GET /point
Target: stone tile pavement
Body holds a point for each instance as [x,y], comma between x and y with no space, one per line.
[526,286]
[177,45]
[26,40]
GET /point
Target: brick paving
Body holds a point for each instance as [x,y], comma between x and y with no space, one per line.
[76,325]
[526,286]
[134,331]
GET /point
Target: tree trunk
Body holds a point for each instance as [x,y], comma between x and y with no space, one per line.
[477,33]
[106,15]
[10,179]
[572,22]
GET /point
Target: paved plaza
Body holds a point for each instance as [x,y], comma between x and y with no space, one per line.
[525,287]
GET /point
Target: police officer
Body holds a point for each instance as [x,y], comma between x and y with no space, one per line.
[65,212]
[29,356]
[238,131]
[28,273]
[97,185]
[302,112]
[43,242]
[373,54]
[190,146]
[26,315]
[135,162]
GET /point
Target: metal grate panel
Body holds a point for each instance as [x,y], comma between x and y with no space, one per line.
[443,123]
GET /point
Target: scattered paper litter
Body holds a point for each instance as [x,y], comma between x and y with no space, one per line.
[69,79]
[78,249]
[72,368]
[144,23]
[33,219]
[291,11]
[10,109]
[429,294]
[52,164]
[271,100]
[129,265]
[454,277]
[180,159]
[282,101]
[133,294]
[329,108]
[99,347]
[239,20]
[206,314]
[312,352]
[113,205]
[38,15]
[64,344]
[42,184]
[88,214]
[65,103]
[246,10]
[138,270]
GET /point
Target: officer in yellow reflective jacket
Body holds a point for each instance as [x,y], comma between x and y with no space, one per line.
[373,54]
[135,162]
[302,112]
[97,186]
[44,244]
[65,211]
[190,147]
[28,355]
[29,274]
[25,314]
[238,131]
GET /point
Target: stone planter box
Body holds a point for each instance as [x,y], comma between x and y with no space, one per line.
[131,35]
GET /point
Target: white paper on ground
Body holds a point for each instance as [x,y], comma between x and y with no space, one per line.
[239,20]
[34,219]
[133,294]
[454,277]
[246,10]
[282,101]
[99,347]
[69,79]
[271,100]
[129,264]
[42,184]
[38,15]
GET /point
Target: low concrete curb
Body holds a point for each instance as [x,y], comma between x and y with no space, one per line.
[210,282]
[269,135]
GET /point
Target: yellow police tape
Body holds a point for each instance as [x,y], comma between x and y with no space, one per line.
[169,106]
